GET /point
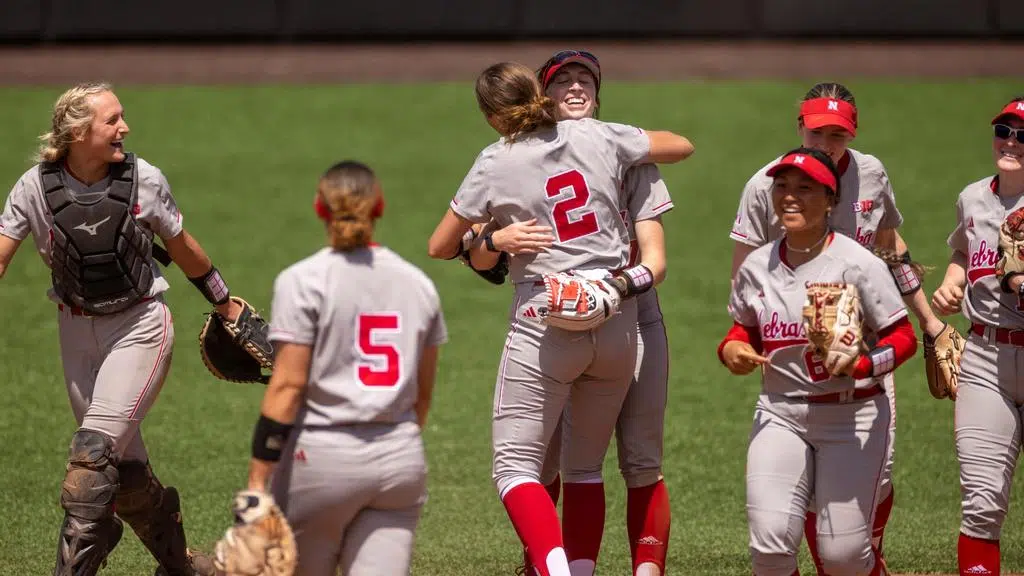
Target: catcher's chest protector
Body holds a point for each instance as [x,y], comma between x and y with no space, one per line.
[100,254]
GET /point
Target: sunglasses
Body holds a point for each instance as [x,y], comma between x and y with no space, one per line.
[1004,132]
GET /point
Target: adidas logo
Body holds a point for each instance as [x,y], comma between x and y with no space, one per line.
[979,569]
[530,313]
[970,223]
[652,541]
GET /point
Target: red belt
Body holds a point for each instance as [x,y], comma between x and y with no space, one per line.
[846,396]
[1002,335]
[76,311]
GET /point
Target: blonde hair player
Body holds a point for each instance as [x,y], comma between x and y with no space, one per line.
[866,211]
[544,169]
[356,330]
[988,413]
[93,210]
[817,431]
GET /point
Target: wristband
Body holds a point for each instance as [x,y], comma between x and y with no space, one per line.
[883,360]
[489,241]
[268,438]
[633,281]
[903,274]
[211,285]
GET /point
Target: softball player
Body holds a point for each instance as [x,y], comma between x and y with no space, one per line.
[92,210]
[353,378]
[813,433]
[572,79]
[988,415]
[566,175]
[866,212]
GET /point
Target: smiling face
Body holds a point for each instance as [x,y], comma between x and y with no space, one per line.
[830,139]
[800,202]
[103,138]
[1008,152]
[574,90]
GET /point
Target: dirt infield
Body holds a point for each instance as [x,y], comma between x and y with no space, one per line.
[282,64]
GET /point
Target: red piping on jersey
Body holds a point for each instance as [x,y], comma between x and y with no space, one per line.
[994,185]
[899,335]
[740,333]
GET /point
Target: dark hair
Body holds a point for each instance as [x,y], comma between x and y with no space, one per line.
[349,190]
[827,161]
[831,90]
[510,95]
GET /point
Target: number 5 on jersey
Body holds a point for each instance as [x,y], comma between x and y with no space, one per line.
[380,361]
[571,192]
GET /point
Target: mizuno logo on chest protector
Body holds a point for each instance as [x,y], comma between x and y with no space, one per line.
[91,228]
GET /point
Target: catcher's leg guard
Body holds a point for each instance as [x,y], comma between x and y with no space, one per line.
[154,513]
[89,531]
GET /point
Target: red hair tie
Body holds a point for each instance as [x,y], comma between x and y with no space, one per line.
[323,211]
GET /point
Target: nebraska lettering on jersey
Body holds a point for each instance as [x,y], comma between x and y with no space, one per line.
[867,204]
[980,213]
[770,295]
[570,180]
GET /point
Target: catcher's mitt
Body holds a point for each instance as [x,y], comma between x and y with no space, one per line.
[260,543]
[578,303]
[1011,248]
[832,319]
[237,351]
[942,361]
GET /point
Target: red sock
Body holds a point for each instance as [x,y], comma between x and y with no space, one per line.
[553,489]
[583,519]
[882,512]
[648,519]
[811,533]
[977,556]
[535,520]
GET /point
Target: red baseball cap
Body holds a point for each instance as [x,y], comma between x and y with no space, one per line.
[818,112]
[1015,109]
[560,59]
[807,164]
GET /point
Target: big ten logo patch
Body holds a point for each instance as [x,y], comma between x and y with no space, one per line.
[634,246]
[863,206]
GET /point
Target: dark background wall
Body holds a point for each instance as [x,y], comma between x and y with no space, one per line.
[57,21]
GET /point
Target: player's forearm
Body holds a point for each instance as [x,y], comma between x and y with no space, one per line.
[277,416]
[668,147]
[188,255]
[8,246]
[956,271]
[259,474]
[446,241]
[917,303]
[481,258]
[650,236]
[425,384]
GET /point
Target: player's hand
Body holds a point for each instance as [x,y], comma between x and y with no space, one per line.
[230,310]
[523,238]
[741,358]
[947,299]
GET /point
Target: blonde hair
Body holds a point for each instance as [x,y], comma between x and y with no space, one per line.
[71,114]
[833,90]
[350,192]
[509,94]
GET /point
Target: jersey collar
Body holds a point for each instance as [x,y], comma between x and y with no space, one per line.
[785,260]
[844,163]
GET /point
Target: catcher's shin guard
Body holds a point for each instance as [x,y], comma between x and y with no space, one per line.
[154,513]
[89,530]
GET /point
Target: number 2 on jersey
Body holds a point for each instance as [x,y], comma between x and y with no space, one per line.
[380,362]
[585,222]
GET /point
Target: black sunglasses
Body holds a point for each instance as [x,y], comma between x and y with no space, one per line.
[1004,132]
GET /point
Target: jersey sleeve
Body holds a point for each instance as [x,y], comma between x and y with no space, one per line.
[879,297]
[294,309]
[14,221]
[740,297]
[891,216]
[157,207]
[631,143]
[752,217]
[648,195]
[472,200]
[957,239]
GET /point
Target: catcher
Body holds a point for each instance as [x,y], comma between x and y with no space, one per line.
[801,307]
[356,331]
[985,281]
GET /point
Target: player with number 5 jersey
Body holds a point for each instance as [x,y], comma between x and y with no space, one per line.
[356,331]
[568,176]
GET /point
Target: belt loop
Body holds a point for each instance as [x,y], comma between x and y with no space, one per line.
[990,335]
[845,396]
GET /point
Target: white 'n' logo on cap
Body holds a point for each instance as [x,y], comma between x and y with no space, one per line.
[798,160]
[833,105]
[1020,106]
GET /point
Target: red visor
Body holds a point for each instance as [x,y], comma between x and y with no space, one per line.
[808,165]
[584,59]
[819,112]
[1015,109]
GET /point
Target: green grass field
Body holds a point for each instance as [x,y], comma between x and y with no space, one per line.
[243,164]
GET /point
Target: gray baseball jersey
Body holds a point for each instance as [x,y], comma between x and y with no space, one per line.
[26,212]
[980,212]
[866,204]
[770,295]
[368,314]
[645,196]
[568,177]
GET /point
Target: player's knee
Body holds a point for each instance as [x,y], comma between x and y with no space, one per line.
[640,476]
[846,556]
[139,491]
[91,481]
[982,518]
[774,533]
[582,477]
[766,564]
